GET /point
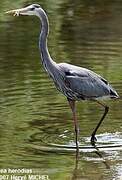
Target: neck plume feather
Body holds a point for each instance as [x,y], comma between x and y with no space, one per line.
[47,61]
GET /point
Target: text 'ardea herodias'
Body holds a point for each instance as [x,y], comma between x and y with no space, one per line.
[76,83]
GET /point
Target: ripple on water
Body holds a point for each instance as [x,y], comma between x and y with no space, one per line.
[54,138]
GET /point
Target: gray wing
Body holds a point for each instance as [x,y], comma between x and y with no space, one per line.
[86,83]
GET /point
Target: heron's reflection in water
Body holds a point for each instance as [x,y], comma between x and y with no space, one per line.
[77,172]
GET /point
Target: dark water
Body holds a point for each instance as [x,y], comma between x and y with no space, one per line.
[36,128]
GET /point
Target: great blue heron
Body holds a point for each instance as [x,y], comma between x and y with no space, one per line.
[76,83]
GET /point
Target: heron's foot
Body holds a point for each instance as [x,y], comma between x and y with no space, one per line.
[93,140]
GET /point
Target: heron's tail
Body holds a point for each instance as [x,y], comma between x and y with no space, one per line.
[113,94]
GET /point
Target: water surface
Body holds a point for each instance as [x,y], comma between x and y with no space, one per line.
[36,128]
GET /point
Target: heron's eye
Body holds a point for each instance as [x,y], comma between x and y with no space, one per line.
[32,8]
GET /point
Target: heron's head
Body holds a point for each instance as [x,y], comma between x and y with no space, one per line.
[29,10]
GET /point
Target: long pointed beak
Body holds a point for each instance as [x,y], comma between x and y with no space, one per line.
[17,12]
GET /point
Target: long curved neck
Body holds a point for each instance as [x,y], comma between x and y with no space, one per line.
[47,62]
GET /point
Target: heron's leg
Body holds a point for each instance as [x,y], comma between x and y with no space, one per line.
[93,138]
[73,108]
